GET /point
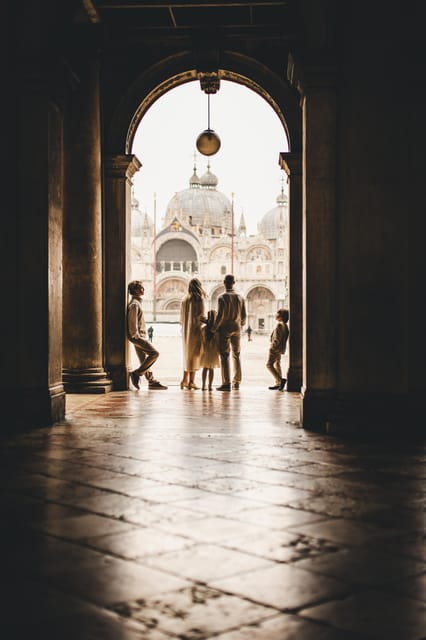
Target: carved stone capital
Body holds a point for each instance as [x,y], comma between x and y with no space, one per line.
[311,72]
[291,163]
[122,166]
[209,81]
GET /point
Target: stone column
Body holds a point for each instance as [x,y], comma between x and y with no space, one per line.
[119,171]
[316,84]
[291,163]
[83,284]
[35,394]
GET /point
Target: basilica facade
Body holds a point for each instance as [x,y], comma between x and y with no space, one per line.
[198,237]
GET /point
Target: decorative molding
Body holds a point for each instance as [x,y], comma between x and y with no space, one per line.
[122,166]
[291,163]
[209,81]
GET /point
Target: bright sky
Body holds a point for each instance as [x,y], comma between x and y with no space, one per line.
[246,164]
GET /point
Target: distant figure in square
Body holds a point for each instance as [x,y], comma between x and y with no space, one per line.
[209,355]
[150,333]
[249,332]
[136,334]
[277,348]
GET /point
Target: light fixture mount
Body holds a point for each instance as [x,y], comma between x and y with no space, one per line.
[208,142]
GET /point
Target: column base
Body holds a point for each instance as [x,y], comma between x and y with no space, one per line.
[120,377]
[315,407]
[294,378]
[93,380]
[27,408]
[373,415]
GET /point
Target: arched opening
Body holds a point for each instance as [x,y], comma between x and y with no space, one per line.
[176,255]
[230,255]
[261,308]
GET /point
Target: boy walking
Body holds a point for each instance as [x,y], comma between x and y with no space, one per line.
[277,348]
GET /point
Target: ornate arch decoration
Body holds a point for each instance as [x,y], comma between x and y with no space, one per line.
[265,251]
[173,279]
[171,305]
[222,246]
[181,68]
[253,288]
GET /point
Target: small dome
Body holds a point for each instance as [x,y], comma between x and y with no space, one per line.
[209,180]
[194,180]
[275,218]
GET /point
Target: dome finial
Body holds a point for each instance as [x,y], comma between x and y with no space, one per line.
[194,180]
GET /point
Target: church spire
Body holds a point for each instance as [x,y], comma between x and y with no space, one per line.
[242,229]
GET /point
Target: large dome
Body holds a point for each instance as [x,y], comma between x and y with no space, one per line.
[277,217]
[201,204]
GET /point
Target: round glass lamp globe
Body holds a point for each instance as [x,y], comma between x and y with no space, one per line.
[208,142]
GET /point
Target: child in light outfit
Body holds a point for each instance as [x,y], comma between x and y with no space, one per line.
[277,348]
[209,355]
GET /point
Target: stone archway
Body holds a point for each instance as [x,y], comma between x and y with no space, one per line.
[141,95]
[261,308]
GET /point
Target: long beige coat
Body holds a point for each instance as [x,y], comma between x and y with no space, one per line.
[191,312]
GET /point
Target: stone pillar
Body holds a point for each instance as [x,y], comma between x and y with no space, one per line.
[83,279]
[119,171]
[316,84]
[36,392]
[291,163]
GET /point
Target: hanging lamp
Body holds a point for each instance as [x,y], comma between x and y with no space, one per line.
[208,142]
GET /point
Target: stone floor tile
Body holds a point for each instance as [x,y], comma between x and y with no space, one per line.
[214,529]
[22,509]
[118,581]
[226,484]
[275,494]
[343,531]
[413,587]
[194,613]
[321,469]
[133,510]
[377,614]
[82,526]
[283,586]
[363,566]
[128,485]
[278,517]
[412,545]
[205,562]
[337,506]
[219,504]
[33,554]
[31,601]
[170,493]
[397,518]
[87,622]
[167,514]
[288,627]
[139,543]
[282,546]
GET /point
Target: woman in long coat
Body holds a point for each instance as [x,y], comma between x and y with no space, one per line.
[192,316]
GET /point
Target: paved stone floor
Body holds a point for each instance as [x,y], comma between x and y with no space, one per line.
[188,514]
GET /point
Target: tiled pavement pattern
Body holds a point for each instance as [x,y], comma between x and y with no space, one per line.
[189,514]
